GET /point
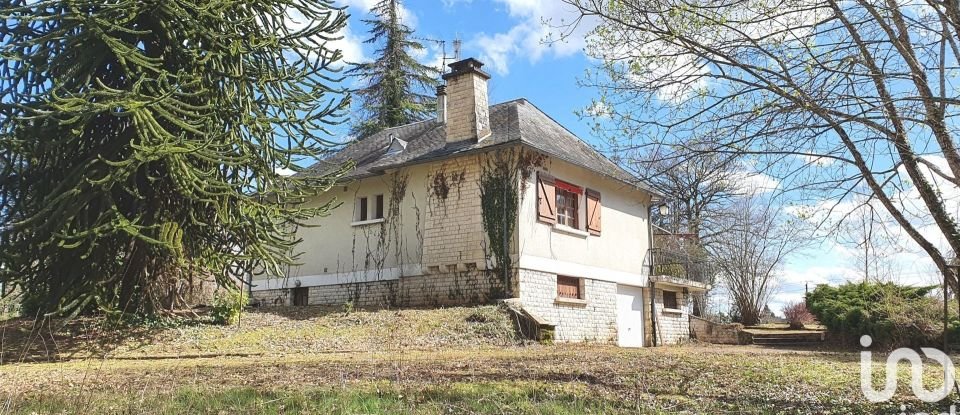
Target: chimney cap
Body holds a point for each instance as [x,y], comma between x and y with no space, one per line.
[465,66]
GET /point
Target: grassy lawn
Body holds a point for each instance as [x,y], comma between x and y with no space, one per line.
[457,361]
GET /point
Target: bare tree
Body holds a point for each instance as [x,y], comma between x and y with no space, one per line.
[872,244]
[750,251]
[698,189]
[825,95]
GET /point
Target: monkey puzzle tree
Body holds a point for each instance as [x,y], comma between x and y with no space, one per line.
[139,142]
[397,88]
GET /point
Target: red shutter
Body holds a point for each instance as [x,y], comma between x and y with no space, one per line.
[546,198]
[593,211]
[568,287]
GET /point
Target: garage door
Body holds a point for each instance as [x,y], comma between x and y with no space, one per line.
[629,316]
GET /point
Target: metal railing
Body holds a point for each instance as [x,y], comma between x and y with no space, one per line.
[680,264]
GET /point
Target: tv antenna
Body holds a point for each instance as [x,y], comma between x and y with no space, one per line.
[457,44]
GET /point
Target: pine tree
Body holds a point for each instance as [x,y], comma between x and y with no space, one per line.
[139,143]
[398,89]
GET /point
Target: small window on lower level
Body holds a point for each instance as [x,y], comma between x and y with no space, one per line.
[301,296]
[569,287]
[670,300]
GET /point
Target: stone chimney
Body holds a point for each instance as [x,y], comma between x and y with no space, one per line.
[467,107]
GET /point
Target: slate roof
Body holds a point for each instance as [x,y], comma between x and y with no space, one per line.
[511,122]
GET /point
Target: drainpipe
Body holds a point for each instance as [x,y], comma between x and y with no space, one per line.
[653,291]
[653,312]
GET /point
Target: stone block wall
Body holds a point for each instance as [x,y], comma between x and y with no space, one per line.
[268,298]
[467,108]
[453,235]
[445,289]
[594,320]
[711,332]
[672,327]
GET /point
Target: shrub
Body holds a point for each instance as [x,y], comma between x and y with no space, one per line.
[893,315]
[227,305]
[797,315]
[9,307]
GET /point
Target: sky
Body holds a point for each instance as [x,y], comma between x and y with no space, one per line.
[512,38]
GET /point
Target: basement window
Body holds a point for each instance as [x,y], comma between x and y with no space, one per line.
[569,288]
[670,300]
[301,296]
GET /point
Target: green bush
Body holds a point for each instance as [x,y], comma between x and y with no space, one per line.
[9,307]
[227,305]
[893,315]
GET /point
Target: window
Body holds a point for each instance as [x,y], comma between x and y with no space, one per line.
[569,287]
[301,296]
[366,212]
[362,209]
[670,300]
[568,203]
[378,211]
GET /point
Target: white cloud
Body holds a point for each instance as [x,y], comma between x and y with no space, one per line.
[539,32]
[599,109]
[283,171]
[351,46]
[358,7]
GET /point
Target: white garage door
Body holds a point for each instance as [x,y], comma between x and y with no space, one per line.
[629,316]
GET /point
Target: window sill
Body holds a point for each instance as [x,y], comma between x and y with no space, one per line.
[671,311]
[570,301]
[570,231]
[366,222]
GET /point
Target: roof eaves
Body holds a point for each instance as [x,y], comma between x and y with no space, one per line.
[638,183]
[635,184]
[446,156]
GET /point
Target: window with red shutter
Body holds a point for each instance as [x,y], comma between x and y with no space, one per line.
[546,198]
[593,212]
[568,208]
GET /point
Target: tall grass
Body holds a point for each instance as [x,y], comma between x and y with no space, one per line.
[367,398]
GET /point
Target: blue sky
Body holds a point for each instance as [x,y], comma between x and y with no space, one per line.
[509,37]
[506,35]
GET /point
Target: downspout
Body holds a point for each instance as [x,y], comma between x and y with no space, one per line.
[653,312]
[653,291]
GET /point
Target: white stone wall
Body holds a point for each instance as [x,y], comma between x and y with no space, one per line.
[672,327]
[460,288]
[595,320]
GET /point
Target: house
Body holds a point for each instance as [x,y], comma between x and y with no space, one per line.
[488,202]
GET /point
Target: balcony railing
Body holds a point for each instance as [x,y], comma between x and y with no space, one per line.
[679,264]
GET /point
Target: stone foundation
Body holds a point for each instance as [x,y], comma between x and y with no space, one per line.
[595,319]
[673,326]
[449,289]
[711,332]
